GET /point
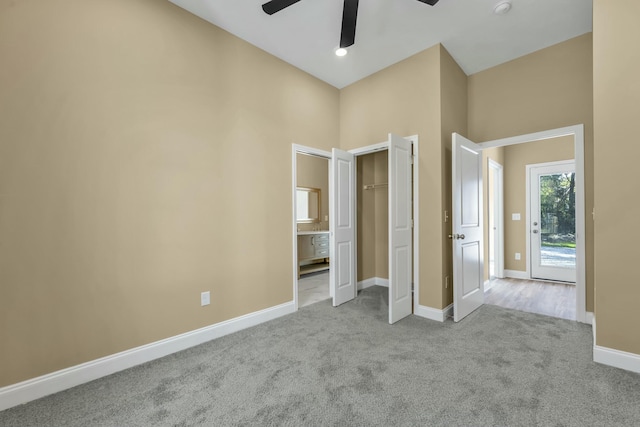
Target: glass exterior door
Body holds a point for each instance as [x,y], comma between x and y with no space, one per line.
[553,222]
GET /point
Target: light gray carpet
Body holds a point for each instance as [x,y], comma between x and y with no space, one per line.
[347,366]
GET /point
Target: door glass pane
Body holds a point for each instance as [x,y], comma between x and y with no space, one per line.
[558,220]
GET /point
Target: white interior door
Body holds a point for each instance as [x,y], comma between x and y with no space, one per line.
[468,267]
[552,219]
[400,228]
[343,227]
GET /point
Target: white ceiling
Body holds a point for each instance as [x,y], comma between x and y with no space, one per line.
[307,33]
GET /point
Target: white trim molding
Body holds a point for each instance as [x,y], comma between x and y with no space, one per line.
[616,358]
[373,281]
[439,315]
[589,318]
[35,388]
[516,274]
[612,357]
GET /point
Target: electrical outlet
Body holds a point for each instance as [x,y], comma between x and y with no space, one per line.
[205,298]
[517,256]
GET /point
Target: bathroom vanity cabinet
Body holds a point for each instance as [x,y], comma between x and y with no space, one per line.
[313,251]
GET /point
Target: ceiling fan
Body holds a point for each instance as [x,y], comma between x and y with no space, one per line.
[349,16]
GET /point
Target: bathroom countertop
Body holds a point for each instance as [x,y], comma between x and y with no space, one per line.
[303,233]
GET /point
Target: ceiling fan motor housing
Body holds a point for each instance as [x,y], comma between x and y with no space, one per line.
[349,16]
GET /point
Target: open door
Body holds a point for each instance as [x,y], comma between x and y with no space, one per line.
[466,232]
[400,228]
[343,228]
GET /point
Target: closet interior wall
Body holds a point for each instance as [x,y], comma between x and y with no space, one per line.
[373,216]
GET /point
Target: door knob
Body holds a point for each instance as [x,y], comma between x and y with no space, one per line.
[461,236]
[456,236]
[535,231]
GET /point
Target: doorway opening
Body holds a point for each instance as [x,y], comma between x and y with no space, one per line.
[517,258]
[311,225]
[372,218]
[312,218]
[540,229]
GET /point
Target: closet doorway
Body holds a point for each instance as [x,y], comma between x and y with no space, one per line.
[402,258]
[372,218]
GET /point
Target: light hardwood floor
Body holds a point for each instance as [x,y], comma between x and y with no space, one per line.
[534,296]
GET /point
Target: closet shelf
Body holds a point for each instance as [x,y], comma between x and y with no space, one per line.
[373,186]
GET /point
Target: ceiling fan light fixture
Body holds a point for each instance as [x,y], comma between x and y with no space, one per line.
[341,51]
[502,8]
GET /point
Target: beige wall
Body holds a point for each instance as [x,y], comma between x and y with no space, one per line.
[381,161]
[313,172]
[366,217]
[405,99]
[516,158]
[616,82]
[132,135]
[373,217]
[453,104]
[548,89]
[143,159]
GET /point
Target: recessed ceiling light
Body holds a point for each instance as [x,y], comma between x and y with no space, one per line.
[502,8]
[341,51]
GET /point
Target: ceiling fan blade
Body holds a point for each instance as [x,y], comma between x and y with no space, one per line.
[274,6]
[429,2]
[349,18]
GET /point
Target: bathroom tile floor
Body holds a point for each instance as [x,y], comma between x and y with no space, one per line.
[313,288]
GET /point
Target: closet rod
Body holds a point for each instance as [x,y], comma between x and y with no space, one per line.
[374,186]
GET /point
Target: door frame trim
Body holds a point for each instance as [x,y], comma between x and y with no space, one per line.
[499,219]
[295,150]
[578,137]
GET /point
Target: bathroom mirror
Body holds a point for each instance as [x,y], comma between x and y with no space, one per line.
[307,204]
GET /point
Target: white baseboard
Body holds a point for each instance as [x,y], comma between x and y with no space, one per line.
[589,319]
[612,357]
[616,358]
[516,274]
[382,282]
[439,315]
[373,281]
[54,382]
[488,284]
